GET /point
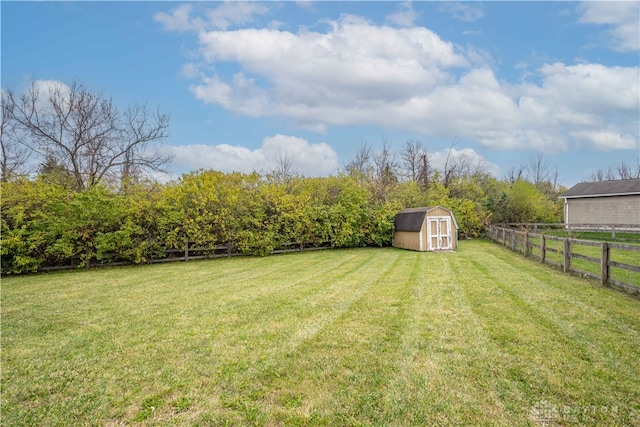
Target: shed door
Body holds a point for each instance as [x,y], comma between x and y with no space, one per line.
[439,230]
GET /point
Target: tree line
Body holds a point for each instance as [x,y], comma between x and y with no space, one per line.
[90,199]
[46,222]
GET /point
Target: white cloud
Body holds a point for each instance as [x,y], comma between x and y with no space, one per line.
[356,67]
[463,11]
[235,13]
[606,140]
[178,20]
[472,33]
[405,16]
[213,91]
[466,157]
[470,107]
[592,87]
[191,70]
[359,73]
[623,18]
[306,158]
[228,14]
[305,4]
[574,103]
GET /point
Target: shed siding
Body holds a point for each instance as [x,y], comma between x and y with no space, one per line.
[603,210]
[408,240]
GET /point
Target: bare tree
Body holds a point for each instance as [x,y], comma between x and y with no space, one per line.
[514,174]
[361,164]
[87,134]
[386,164]
[597,176]
[626,172]
[411,156]
[450,167]
[621,171]
[425,173]
[540,171]
[284,168]
[464,165]
[14,155]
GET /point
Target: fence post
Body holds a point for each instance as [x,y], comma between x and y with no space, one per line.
[186,250]
[566,265]
[526,244]
[613,232]
[604,264]
[543,249]
[513,240]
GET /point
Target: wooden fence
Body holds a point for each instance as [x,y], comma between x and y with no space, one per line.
[578,228]
[613,264]
[189,253]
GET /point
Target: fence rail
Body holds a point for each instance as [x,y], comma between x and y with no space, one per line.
[189,253]
[588,258]
[578,228]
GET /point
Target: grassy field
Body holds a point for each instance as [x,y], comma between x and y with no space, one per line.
[347,337]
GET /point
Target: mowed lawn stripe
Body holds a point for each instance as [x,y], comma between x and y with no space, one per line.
[278,363]
[560,289]
[520,312]
[573,319]
[350,337]
[118,325]
[331,376]
[452,346]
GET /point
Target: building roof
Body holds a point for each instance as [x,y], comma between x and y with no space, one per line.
[411,219]
[620,187]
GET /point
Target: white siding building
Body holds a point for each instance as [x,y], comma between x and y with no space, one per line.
[608,202]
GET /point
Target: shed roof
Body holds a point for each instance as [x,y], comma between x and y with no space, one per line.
[620,187]
[411,219]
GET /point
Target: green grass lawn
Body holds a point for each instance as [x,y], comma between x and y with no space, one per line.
[358,337]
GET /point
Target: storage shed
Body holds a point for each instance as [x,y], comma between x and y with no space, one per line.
[606,202]
[425,229]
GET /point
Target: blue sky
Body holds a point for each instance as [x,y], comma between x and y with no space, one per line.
[248,82]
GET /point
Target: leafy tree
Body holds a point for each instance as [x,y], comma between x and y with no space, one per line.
[88,225]
[525,203]
[44,222]
[26,206]
[200,207]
